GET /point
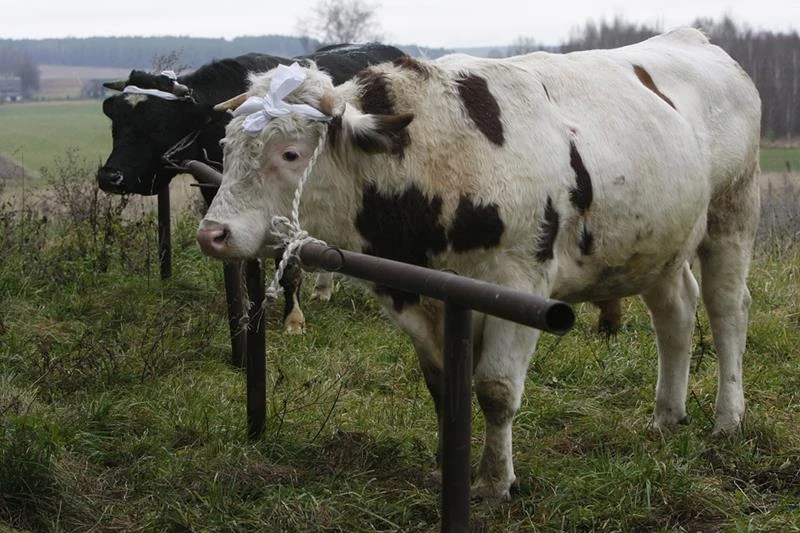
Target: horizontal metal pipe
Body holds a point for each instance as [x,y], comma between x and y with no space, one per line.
[204,174]
[531,310]
[535,311]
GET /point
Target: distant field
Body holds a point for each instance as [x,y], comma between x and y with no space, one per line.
[35,134]
[65,82]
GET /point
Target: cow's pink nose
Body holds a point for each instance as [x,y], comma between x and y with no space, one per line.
[213,240]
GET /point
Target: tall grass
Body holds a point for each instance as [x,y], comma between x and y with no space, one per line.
[119,412]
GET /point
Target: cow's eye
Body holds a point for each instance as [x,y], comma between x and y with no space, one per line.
[290,155]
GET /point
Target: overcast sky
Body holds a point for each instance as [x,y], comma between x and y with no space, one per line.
[447,23]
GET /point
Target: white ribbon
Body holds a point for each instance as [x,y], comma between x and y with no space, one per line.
[133,89]
[260,110]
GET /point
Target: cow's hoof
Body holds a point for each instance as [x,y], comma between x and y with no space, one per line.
[295,328]
[295,324]
[323,294]
[727,425]
[669,419]
[492,493]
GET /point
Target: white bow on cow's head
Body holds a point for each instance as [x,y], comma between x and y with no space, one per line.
[179,90]
[260,110]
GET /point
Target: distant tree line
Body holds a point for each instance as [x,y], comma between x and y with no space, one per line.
[771,59]
[140,52]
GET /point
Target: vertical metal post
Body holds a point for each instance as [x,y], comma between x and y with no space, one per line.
[234,294]
[164,234]
[256,350]
[456,418]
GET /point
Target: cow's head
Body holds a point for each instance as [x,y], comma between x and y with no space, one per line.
[280,127]
[152,113]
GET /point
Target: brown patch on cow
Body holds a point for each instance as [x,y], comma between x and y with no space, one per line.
[648,82]
[409,63]
[375,93]
[334,130]
[495,400]
[586,243]
[482,107]
[581,195]
[389,135]
[375,100]
[475,225]
[547,233]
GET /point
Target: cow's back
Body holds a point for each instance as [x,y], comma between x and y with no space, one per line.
[710,91]
[628,146]
[343,61]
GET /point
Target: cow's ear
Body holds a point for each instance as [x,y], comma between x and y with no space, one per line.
[115,85]
[376,133]
[119,84]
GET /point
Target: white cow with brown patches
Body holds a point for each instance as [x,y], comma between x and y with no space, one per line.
[585,177]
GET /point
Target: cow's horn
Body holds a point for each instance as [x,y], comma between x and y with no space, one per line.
[179,89]
[115,85]
[327,101]
[233,103]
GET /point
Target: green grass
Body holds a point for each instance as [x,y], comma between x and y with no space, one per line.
[34,134]
[119,410]
[774,159]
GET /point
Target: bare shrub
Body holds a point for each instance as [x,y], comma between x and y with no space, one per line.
[72,221]
[169,61]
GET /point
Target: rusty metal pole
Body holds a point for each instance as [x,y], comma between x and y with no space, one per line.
[164,234]
[210,179]
[256,366]
[234,295]
[542,313]
[456,418]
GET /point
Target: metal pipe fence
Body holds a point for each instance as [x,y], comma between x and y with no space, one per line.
[461,296]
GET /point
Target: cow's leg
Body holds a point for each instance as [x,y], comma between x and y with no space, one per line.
[294,322]
[608,322]
[499,383]
[672,304]
[724,260]
[433,373]
[323,287]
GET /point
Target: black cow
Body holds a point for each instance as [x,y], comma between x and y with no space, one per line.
[152,134]
[144,128]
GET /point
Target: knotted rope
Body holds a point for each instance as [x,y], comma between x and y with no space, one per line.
[288,230]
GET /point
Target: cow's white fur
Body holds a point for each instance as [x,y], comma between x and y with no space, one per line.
[667,184]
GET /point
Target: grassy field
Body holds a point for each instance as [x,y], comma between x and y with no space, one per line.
[776,159]
[119,411]
[35,134]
